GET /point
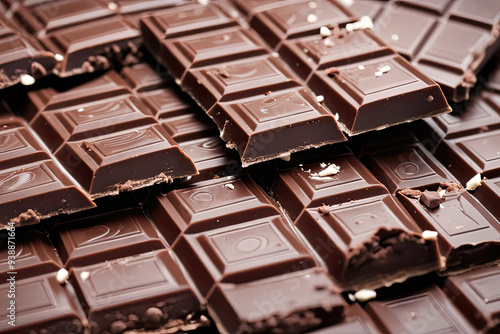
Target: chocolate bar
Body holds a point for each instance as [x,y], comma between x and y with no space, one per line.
[253,99]
[104,138]
[23,58]
[450,41]
[359,77]
[86,36]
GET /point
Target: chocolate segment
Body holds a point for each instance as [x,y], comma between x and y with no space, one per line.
[399,166]
[34,255]
[475,293]
[267,126]
[427,34]
[467,233]
[144,291]
[368,95]
[208,206]
[41,304]
[470,155]
[106,237]
[312,184]
[356,321]
[368,242]
[290,303]
[424,309]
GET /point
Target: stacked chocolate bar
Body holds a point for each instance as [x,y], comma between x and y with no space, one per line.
[249,166]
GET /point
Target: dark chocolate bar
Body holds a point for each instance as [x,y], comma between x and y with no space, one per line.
[448,40]
[359,77]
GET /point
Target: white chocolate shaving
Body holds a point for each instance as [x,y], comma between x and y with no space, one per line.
[320,98]
[84,275]
[285,156]
[365,295]
[311,18]
[325,31]
[59,57]
[364,23]
[330,170]
[473,183]
[429,235]
[27,80]
[62,276]
[229,186]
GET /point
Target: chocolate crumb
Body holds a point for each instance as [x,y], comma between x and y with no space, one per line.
[413,193]
[450,187]
[332,71]
[324,210]
[117,327]
[223,73]
[153,316]
[431,199]
[267,93]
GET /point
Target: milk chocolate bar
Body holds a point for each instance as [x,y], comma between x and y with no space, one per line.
[86,36]
[102,134]
[359,77]
[255,101]
[450,41]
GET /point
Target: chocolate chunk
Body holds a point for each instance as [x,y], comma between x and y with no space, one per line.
[132,285]
[291,303]
[368,243]
[413,193]
[468,233]
[431,199]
